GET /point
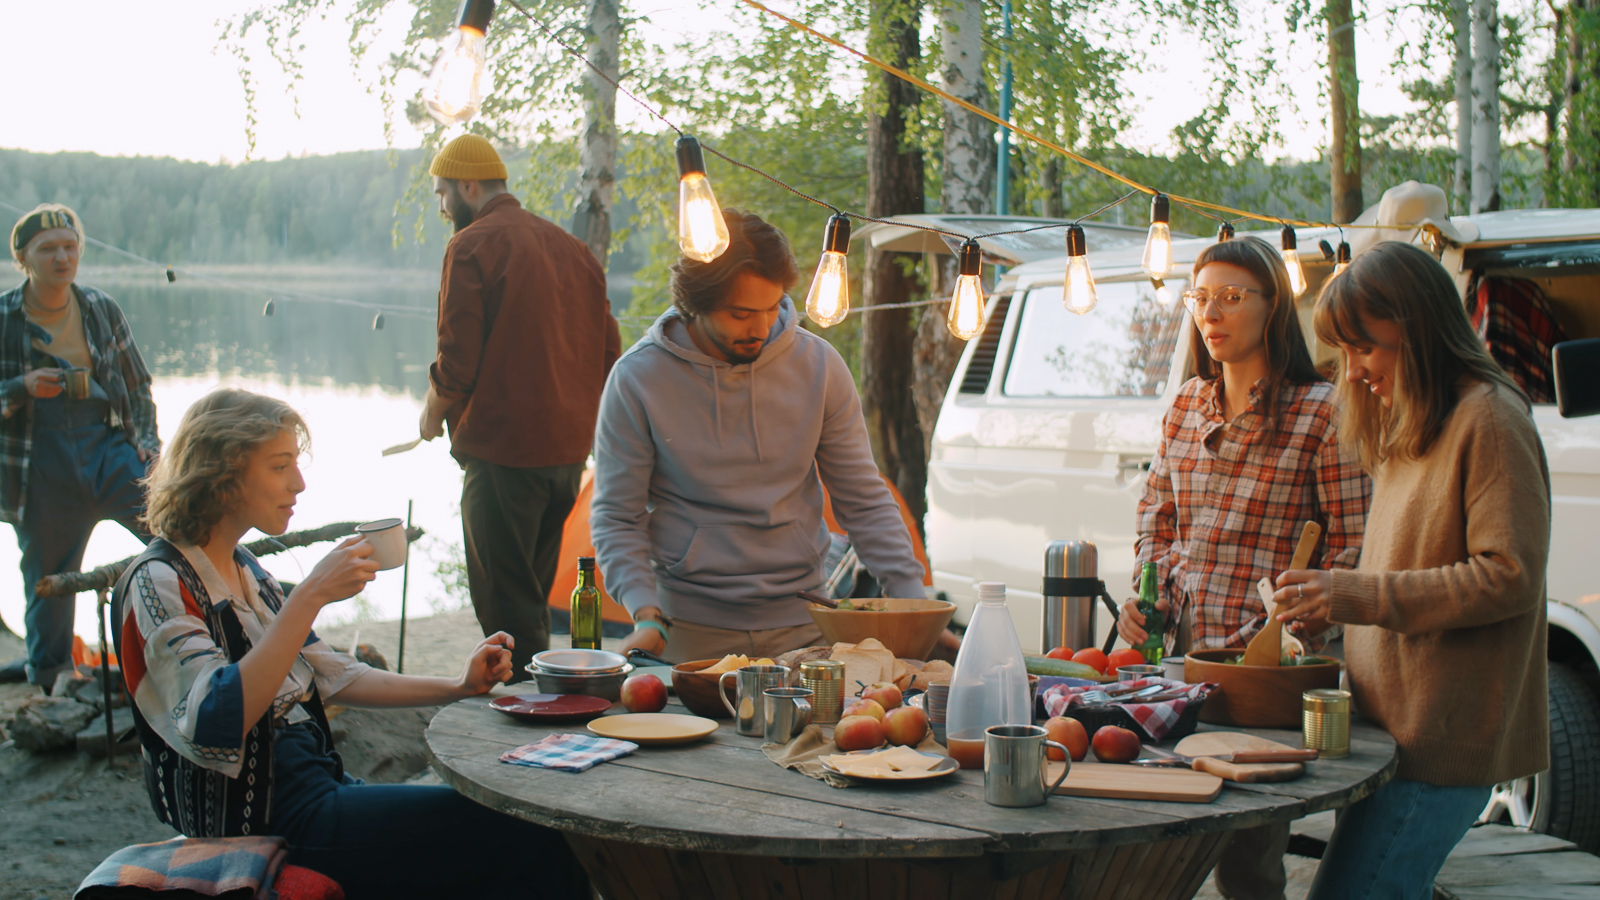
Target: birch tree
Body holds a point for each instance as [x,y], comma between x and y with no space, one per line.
[1485,106]
[597,158]
[1461,23]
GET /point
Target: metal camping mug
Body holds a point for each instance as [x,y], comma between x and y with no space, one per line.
[1015,765]
[75,382]
[787,712]
[752,680]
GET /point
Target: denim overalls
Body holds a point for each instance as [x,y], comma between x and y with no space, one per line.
[81,471]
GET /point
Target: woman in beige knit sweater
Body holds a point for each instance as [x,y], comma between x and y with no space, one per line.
[1445,616]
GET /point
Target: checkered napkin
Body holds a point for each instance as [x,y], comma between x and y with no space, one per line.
[1155,718]
[568,752]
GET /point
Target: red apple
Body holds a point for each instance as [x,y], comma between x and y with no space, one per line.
[885,693]
[864,708]
[906,726]
[644,693]
[858,733]
[1069,732]
[1115,745]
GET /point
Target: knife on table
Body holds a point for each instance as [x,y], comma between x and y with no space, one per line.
[1240,757]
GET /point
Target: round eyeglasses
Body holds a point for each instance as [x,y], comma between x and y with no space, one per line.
[1227,298]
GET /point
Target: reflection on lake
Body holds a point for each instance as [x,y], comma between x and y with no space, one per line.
[360,390]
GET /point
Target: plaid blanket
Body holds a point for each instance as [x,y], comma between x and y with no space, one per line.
[568,752]
[1155,718]
[238,868]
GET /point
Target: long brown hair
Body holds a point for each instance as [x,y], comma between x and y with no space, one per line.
[196,480]
[1397,282]
[1288,358]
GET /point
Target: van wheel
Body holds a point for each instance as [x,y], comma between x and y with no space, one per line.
[1564,800]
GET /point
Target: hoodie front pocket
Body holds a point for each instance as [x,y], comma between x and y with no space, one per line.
[741,551]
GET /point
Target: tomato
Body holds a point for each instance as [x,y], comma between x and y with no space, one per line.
[1061,653]
[1091,657]
[1127,656]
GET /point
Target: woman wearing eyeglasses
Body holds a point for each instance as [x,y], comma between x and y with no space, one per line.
[1248,454]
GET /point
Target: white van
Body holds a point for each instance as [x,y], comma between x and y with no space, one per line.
[1052,419]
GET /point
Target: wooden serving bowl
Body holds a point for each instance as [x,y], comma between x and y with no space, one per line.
[1254,696]
[909,627]
[699,691]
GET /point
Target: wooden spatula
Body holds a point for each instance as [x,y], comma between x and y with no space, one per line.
[1265,648]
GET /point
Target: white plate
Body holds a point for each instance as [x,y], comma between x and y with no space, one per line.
[944,767]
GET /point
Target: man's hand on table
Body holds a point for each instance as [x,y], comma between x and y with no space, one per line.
[489,665]
[646,637]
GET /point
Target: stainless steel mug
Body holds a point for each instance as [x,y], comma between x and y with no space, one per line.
[1014,765]
[787,712]
[751,681]
[75,382]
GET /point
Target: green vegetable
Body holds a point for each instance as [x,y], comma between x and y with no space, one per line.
[1044,665]
[846,604]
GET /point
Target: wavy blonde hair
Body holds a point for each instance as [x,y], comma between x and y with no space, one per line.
[196,480]
[1440,354]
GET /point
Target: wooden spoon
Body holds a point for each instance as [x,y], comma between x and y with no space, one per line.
[1266,647]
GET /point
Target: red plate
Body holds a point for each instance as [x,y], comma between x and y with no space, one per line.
[551,707]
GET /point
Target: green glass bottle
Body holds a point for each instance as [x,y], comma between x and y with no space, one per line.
[585,608]
[1155,621]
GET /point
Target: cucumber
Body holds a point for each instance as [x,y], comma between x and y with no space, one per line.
[1044,665]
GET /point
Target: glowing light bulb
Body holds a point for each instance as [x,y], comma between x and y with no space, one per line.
[1158,244]
[1225,232]
[702,232]
[1078,294]
[828,299]
[1342,258]
[1291,259]
[1164,294]
[965,318]
[459,81]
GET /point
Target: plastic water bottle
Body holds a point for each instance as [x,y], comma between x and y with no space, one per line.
[990,685]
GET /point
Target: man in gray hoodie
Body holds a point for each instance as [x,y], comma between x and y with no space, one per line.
[717,432]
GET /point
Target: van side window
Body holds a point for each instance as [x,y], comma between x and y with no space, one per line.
[1123,348]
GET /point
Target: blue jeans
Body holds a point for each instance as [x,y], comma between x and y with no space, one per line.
[405,840]
[1391,845]
[81,471]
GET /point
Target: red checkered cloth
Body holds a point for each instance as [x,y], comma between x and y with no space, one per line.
[1516,323]
[568,752]
[239,868]
[1155,718]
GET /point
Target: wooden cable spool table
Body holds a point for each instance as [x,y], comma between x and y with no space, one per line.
[717,819]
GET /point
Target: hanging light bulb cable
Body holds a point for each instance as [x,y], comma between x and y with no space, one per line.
[828,298]
[1157,261]
[702,232]
[460,77]
[965,318]
[1078,293]
[1291,260]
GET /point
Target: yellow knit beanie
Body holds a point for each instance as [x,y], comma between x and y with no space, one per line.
[468,158]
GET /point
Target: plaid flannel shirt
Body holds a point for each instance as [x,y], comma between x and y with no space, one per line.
[1224,504]
[118,368]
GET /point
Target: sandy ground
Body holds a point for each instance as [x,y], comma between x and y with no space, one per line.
[61,814]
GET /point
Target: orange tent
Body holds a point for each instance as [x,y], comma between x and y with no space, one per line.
[575,542]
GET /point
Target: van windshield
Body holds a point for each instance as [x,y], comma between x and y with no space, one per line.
[1123,348]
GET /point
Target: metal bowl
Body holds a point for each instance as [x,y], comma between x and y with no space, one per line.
[602,684]
[580,662]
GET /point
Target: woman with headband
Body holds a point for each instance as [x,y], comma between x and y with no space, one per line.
[77,425]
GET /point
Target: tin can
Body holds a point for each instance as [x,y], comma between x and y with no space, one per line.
[1325,716]
[825,678]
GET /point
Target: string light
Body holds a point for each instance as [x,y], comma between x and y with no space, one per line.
[1225,232]
[1158,244]
[1078,294]
[459,82]
[828,299]
[965,318]
[1291,260]
[1342,259]
[1164,294]
[702,233]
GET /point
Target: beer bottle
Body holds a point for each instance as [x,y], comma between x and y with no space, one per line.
[585,608]
[1155,622]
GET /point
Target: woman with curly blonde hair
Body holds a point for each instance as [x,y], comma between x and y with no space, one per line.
[77,424]
[228,682]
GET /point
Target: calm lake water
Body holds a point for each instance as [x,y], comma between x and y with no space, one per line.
[359,389]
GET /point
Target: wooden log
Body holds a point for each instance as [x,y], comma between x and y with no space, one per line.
[105,577]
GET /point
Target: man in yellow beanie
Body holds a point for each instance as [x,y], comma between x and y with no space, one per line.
[526,339]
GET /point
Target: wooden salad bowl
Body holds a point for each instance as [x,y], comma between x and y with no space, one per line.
[1254,696]
[909,627]
[698,691]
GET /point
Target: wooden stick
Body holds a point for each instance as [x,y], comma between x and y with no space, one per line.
[105,577]
[1266,648]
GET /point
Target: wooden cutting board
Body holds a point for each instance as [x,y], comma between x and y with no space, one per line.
[1233,742]
[1097,779]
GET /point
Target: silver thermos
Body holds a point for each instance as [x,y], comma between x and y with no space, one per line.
[1071,589]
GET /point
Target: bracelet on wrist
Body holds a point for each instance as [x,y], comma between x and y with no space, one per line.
[654,624]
